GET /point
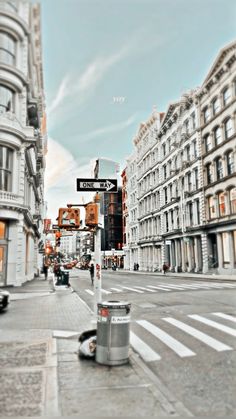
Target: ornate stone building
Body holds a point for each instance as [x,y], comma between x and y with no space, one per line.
[186,168]
[22,141]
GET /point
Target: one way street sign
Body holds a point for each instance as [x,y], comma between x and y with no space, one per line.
[100,185]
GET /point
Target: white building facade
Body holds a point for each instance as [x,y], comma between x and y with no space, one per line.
[22,142]
[186,178]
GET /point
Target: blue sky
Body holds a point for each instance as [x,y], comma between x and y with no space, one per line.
[147,52]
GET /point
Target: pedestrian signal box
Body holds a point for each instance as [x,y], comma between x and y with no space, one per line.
[91,215]
[69,217]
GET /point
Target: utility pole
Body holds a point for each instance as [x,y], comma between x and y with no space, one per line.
[97,257]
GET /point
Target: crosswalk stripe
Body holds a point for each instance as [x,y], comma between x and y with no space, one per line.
[105,291]
[208,340]
[172,286]
[172,343]
[207,285]
[216,325]
[225,316]
[143,349]
[193,286]
[116,289]
[89,292]
[132,289]
[159,288]
[145,289]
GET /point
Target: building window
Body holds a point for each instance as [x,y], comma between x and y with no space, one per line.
[163,150]
[193,120]
[207,142]
[198,211]
[232,198]
[216,106]
[6,99]
[196,178]
[217,136]
[187,153]
[6,158]
[164,172]
[228,126]
[226,248]
[226,96]
[221,203]
[211,207]
[189,181]
[194,149]
[7,48]
[219,168]
[206,114]
[209,175]
[2,230]
[230,163]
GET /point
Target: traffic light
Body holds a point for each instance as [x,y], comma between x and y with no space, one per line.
[91,215]
[58,238]
[69,217]
[48,248]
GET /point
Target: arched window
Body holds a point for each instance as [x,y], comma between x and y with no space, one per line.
[6,161]
[232,198]
[7,48]
[217,135]
[215,105]
[226,96]
[6,99]
[207,142]
[221,203]
[230,163]
[209,174]
[228,127]
[211,207]
[206,114]
[219,168]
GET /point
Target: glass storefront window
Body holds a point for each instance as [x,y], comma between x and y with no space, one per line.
[226,250]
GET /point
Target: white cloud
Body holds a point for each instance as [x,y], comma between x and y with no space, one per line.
[62,93]
[108,129]
[61,173]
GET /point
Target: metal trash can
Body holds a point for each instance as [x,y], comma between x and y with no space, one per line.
[113,329]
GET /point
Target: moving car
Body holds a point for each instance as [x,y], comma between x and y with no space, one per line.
[4,299]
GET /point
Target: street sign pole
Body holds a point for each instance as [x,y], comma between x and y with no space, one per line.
[98,267]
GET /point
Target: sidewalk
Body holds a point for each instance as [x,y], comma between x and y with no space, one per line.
[42,375]
[186,275]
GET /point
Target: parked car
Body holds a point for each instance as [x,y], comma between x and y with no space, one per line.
[4,299]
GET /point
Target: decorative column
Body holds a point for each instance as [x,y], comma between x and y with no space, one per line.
[231,250]
[204,253]
[219,250]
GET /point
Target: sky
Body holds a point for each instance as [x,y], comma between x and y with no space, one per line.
[106,64]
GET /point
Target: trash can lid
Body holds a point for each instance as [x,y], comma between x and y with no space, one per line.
[114,304]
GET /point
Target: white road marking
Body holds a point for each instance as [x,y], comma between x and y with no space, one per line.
[172,343]
[89,292]
[172,286]
[105,291]
[225,316]
[216,325]
[208,340]
[145,289]
[116,289]
[143,349]
[132,289]
[159,288]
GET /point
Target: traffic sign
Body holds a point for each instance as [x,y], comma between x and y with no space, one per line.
[100,185]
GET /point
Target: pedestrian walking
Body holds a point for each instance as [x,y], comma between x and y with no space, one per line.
[165,268]
[91,270]
[45,271]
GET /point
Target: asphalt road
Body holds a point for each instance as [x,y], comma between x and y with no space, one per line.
[183,329]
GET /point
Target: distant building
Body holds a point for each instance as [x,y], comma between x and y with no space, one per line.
[22,142]
[112,234]
[68,244]
[106,168]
